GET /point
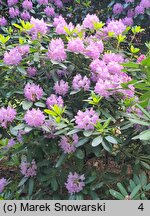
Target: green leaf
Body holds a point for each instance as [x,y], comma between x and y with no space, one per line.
[82,142]
[36,57]
[97,186]
[116,194]
[21,70]
[23,181]
[122,189]
[111,139]
[147,188]
[135,191]
[76,130]
[40,104]
[98,140]
[61,160]
[144,135]
[137,121]
[143,110]
[87,133]
[79,197]
[19,127]
[54,184]
[31,186]
[145,165]
[130,65]
[27,105]
[79,154]
[107,146]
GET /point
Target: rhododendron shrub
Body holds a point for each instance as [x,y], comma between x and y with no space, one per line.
[69,98]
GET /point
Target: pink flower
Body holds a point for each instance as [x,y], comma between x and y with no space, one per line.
[42,2]
[56,50]
[139,10]
[33,92]
[7,115]
[60,23]
[86,120]
[127,21]
[31,71]
[109,57]
[68,144]
[49,11]
[28,169]
[89,21]
[79,83]
[12,2]
[118,8]
[117,27]
[141,58]
[25,15]
[54,99]
[61,87]
[34,117]
[92,51]
[99,70]
[102,88]
[76,45]
[13,12]
[39,27]
[75,183]
[27,5]
[3,183]
[3,21]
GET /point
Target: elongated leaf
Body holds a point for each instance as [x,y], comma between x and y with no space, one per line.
[98,140]
[135,191]
[79,154]
[40,104]
[60,160]
[107,146]
[76,130]
[82,142]
[87,133]
[27,105]
[122,189]
[136,121]
[31,186]
[111,139]
[116,194]
[147,188]
[23,181]
[19,127]
[145,135]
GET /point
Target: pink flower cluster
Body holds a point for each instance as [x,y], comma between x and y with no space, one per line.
[79,82]
[89,21]
[34,117]
[108,75]
[39,27]
[54,99]
[3,183]
[68,144]
[76,45]
[28,169]
[7,115]
[75,183]
[56,51]
[33,92]
[134,9]
[31,71]
[61,87]
[86,120]
[14,56]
